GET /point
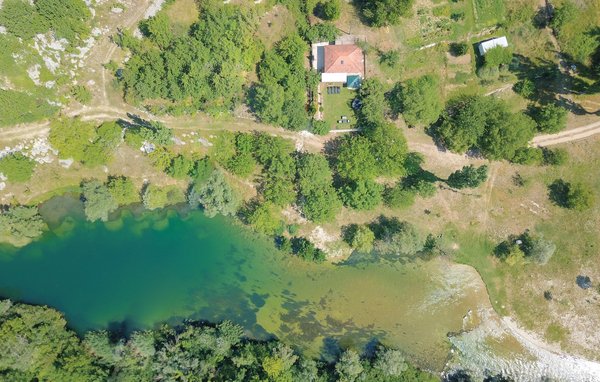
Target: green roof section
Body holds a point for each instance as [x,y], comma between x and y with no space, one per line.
[353,82]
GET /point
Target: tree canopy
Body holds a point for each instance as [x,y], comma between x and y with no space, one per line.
[418,99]
[198,71]
[379,13]
[486,124]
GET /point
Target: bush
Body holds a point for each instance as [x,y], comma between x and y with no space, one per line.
[418,99]
[306,250]
[81,94]
[550,118]
[98,202]
[498,56]
[528,156]
[398,238]
[555,157]
[525,88]
[328,10]
[71,137]
[390,58]
[360,238]
[379,13]
[398,197]
[468,177]
[20,224]
[263,217]
[362,194]
[17,167]
[155,197]
[577,197]
[122,190]
[458,49]
[215,195]
[320,127]
[181,167]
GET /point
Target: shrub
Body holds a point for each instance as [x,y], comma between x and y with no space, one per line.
[550,118]
[360,238]
[525,88]
[263,217]
[390,58]
[320,127]
[468,177]
[98,202]
[555,157]
[458,48]
[528,156]
[81,94]
[180,167]
[578,196]
[17,167]
[306,250]
[159,197]
[20,224]
[328,10]
[122,190]
[362,194]
[398,197]
[215,195]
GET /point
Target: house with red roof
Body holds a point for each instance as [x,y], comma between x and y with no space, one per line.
[344,63]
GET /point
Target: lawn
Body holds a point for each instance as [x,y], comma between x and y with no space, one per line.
[488,12]
[336,105]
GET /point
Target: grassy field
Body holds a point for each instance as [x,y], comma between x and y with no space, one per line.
[336,105]
[488,12]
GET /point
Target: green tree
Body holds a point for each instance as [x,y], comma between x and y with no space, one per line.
[389,149]
[355,160]
[361,239]
[398,196]
[328,9]
[390,362]
[418,99]
[155,197]
[378,13]
[17,167]
[550,118]
[181,167]
[97,200]
[398,238]
[319,201]
[21,224]
[263,217]
[362,194]
[81,94]
[537,248]
[526,88]
[468,177]
[71,137]
[306,250]
[573,196]
[349,367]
[157,29]
[122,190]
[215,195]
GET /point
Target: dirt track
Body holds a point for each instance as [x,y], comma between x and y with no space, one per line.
[567,135]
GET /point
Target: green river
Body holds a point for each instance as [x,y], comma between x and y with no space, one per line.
[147,268]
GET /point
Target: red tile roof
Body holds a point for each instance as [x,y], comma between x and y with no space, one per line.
[344,59]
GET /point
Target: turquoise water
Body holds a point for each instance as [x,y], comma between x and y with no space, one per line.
[139,271]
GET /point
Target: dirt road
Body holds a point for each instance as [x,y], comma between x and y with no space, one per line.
[567,135]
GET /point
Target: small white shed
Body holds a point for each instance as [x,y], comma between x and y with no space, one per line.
[484,46]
